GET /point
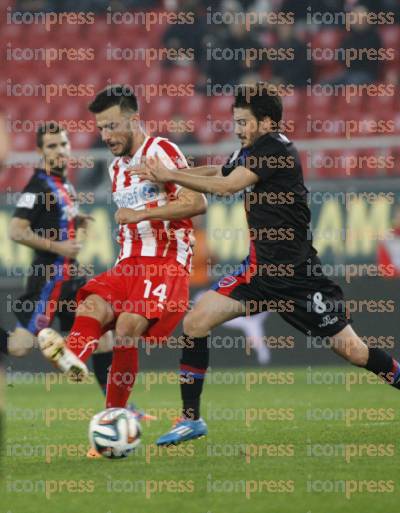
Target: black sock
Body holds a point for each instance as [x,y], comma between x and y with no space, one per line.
[3,341]
[101,363]
[382,364]
[193,367]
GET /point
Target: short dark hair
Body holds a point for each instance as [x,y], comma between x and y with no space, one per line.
[262,99]
[117,94]
[50,127]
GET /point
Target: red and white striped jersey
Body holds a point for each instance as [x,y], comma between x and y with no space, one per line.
[169,239]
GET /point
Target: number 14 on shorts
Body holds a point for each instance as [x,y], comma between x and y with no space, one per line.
[159,291]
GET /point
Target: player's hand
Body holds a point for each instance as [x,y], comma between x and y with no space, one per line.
[66,248]
[151,168]
[128,216]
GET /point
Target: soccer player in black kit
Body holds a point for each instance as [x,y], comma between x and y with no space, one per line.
[282,272]
[46,219]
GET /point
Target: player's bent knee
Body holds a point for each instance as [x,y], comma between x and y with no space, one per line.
[97,308]
[129,326]
[20,342]
[195,325]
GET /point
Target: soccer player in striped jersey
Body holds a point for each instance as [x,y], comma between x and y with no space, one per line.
[146,293]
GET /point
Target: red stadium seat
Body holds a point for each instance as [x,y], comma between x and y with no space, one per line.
[154,75]
[327,38]
[192,105]
[381,104]
[296,128]
[159,108]
[394,154]
[40,111]
[396,119]
[322,104]
[372,162]
[220,104]
[294,102]
[82,140]
[182,75]
[390,36]
[205,134]
[333,163]
[23,141]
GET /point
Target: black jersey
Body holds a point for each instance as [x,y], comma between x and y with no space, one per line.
[49,203]
[276,206]
[278,218]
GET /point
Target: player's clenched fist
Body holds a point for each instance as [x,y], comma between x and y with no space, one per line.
[128,216]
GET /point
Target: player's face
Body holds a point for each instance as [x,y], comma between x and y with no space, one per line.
[56,151]
[247,127]
[116,129]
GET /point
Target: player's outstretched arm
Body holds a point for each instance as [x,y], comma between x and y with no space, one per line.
[21,232]
[153,169]
[187,204]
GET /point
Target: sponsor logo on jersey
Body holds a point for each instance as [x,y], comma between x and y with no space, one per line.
[136,195]
[148,191]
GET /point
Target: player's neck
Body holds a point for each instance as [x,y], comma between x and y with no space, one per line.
[137,142]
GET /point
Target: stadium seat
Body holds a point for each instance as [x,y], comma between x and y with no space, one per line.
[192,105]
[205,135]
[381,104]
[220,104]
[23,141]
[372,162]
[390,35]
[323,104]
[332,163]
[182,75]
[326,38]
[82,140]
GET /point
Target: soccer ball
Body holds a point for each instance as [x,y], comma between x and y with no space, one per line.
[114,432]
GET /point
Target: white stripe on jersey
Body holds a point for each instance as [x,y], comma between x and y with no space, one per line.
[149,242]
[131,192]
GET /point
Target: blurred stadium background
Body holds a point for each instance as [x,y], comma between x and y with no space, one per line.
[348,145]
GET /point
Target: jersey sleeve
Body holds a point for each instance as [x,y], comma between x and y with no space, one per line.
[231,164]
[30,204]
[263,164]
[172,157]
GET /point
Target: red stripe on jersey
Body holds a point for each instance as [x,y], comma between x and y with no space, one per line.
[116,171]
[175,157]
[128,179]
[147,146]
[170,189]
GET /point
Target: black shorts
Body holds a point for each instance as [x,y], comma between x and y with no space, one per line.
[46,299]
[308,300]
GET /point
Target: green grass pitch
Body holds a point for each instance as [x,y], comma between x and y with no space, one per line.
[303,441]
